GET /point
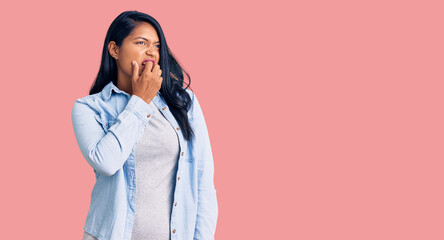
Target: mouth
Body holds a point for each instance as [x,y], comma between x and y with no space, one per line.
[146,60]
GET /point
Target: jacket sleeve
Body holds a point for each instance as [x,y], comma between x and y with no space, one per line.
[107,152]
[207,207]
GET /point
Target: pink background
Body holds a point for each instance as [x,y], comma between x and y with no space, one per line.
[325,118]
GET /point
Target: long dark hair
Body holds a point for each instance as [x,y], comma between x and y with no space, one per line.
[175,95]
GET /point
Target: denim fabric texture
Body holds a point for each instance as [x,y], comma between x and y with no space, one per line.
[107,126]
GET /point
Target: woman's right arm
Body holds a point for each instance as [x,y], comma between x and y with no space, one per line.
[107,153]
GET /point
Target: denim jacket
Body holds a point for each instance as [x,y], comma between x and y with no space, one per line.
[107,126]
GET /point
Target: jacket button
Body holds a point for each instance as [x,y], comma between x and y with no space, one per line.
[174,231]
[178,178]
[148,115]
[182,154]
[178,128]
[164,108]
[175,204]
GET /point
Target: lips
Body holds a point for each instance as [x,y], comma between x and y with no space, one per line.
[146,60]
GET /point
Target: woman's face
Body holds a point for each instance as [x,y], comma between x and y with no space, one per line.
[141,45]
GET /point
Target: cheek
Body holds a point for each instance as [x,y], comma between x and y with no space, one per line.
[125,66]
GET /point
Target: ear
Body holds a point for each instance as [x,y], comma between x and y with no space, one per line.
[113,49]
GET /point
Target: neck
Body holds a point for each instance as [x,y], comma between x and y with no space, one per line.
[124,83]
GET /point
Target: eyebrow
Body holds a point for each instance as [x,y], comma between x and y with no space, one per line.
[145,39]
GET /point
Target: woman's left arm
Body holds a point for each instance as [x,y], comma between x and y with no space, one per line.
[207,208]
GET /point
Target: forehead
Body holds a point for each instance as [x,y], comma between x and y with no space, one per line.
[144,30]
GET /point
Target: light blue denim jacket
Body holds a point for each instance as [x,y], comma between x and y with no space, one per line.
[107,126]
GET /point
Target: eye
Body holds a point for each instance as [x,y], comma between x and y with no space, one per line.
[158,46]
[141,42]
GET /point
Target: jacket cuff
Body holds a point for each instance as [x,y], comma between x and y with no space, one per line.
[140,108]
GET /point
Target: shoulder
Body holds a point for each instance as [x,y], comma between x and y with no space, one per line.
[191,93]
[87,98]
[192,97]
[193,102]
[93,102]
[195,111]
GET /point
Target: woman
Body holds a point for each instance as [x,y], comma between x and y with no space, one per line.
[145,136]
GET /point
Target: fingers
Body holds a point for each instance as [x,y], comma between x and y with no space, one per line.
[148,66]
[135,74]
[157,70]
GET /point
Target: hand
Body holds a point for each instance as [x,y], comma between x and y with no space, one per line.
[148,83]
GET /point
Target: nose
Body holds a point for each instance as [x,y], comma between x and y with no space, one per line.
[151,50]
